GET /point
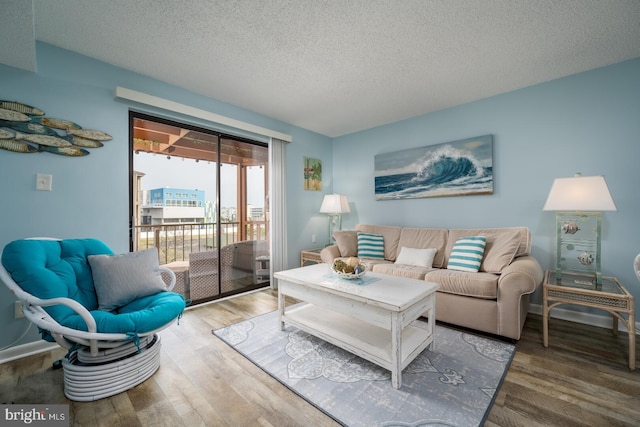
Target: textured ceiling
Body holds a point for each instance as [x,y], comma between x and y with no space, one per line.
[340,66]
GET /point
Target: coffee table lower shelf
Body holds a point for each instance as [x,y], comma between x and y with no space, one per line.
[365,340]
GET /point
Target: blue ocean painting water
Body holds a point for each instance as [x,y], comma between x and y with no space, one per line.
[455,168]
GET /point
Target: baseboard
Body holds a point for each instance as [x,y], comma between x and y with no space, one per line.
[601,321]
[24,350]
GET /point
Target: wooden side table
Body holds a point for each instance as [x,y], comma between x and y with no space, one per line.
[580,289]
[310,257]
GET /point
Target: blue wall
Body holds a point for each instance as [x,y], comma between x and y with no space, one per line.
[90,195]
[588,123]
[585,123]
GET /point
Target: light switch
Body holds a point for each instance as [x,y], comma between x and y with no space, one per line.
[43,182]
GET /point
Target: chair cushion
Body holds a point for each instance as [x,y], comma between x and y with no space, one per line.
[60,268]
[55,268]
[143,315]
[123,278]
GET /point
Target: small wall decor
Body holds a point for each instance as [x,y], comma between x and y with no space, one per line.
[455,168]
[312,174]
[24,129]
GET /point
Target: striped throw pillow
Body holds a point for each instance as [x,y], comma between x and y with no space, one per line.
[370,245]
[467,253]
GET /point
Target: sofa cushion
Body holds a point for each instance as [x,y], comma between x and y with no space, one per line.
[417,257]
[347,242]
[426,238]
[503,245]
[123,278]
[370,245]
[466,254]
[478,285]
[500,251]
[391,235]
[402,270]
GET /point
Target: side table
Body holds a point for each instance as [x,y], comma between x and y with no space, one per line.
[580,289]
[310,257]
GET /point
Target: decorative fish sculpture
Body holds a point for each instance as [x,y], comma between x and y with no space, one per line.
[585,258]
[57,123]
[51,141]
[6,134]
[13,116]
[97,135]
[29,127]
[85,142]
[24,129]
[21,108]
[17,146]
[65,151]
[570,227]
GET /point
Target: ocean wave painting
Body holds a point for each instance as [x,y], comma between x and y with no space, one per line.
[455,168]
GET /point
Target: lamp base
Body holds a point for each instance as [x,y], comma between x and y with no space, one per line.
[335,223]
[578,243]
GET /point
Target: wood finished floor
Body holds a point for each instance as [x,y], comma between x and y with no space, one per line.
[582,379]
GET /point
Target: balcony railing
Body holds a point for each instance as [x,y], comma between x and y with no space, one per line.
[176,241]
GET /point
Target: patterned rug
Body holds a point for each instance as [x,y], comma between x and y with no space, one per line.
[454,385]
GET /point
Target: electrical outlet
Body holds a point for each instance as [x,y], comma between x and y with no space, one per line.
[313,238]
[18,313]
[43,182]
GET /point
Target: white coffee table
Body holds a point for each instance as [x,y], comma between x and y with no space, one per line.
[377,321]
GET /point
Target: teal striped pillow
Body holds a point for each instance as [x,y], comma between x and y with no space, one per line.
[467,253]
[370,245]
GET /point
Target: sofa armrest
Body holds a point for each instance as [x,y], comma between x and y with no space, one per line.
[519,279]
[522,276]
[329,253]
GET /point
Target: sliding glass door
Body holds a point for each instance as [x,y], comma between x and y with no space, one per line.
[201,198]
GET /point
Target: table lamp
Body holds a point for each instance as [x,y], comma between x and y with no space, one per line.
[334,205]
[579,200]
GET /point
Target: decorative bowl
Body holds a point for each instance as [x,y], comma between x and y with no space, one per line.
[349,276]
[352,269]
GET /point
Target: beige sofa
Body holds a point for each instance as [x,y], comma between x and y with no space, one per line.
[495,299]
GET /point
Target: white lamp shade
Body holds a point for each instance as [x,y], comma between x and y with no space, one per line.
[579,193]
[335,204]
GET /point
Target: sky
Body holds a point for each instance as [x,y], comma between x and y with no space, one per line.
[186,173]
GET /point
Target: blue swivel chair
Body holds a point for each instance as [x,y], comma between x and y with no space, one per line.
[106,309]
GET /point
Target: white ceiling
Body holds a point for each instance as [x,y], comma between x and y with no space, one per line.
[334,66]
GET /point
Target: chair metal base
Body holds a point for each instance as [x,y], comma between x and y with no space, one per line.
[87,379]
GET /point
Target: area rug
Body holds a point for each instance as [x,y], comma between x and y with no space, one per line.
[453,385]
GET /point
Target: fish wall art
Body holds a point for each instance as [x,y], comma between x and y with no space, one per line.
[25,129]
[455,168]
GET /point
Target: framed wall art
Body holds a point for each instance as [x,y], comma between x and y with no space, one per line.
[312,174]
[456,168]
